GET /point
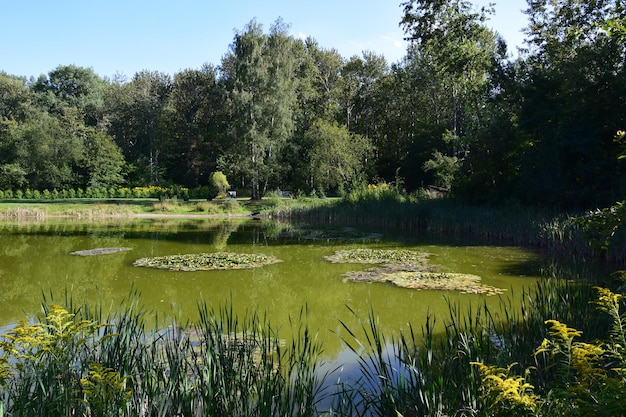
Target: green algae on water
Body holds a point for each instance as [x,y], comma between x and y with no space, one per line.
[208,261]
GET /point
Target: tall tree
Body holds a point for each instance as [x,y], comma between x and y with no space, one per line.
[573,103]
[462,50]
[193,141]
[263,95]
[72,86]
[137,109]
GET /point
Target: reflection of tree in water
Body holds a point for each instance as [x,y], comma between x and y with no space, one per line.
[222,233]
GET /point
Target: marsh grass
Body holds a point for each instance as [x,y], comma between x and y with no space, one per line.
[76,360]
[431,372]
[561,235]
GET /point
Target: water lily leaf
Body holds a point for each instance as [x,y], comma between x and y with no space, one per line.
[378,256]
[208,261]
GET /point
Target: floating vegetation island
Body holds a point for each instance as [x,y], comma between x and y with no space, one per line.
[408,269]
[208,261]
[378,256]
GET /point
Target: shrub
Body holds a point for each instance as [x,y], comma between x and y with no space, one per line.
[591,374]
[219,182]
[37,195]
[19,194]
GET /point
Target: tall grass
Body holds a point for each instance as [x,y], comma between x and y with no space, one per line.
[75,360]
[431,373]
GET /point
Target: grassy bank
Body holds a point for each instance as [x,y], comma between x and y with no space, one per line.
[22,209]
[579,235]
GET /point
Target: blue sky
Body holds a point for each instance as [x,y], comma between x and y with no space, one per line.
[126,36]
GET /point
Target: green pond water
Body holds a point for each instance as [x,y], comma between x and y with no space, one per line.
[35,258]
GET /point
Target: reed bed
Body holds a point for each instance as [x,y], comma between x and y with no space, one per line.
[75,360]
[559,235]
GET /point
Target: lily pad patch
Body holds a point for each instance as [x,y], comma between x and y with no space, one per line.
[378,256]
[408,269]
[208,261]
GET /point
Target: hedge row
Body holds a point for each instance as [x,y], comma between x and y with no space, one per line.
[135,192]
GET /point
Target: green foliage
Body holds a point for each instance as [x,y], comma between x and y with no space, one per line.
[589,378]
[336,157]
[603,226]
[282,112]
[444,169]
[506,392]
[106,392]
[45,360]
[219,181]
[374,192]
[219,365]
[263,93]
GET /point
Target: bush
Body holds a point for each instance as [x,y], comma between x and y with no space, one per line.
[219,182]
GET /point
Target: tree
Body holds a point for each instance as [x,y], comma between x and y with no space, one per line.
[219,181]
[462,51]
[573,88]
[15,109]
[137,110]
[103,160]
[263,95]
[72,86]
[193,131]
[444,169]
[336,157]
[48,153]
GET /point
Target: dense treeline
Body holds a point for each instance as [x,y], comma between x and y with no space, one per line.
[284,113]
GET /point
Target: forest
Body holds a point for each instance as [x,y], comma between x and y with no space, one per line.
[460,111]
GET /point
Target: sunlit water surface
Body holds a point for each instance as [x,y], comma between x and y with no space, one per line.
[35,258]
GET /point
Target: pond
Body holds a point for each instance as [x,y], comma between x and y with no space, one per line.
[36,259]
